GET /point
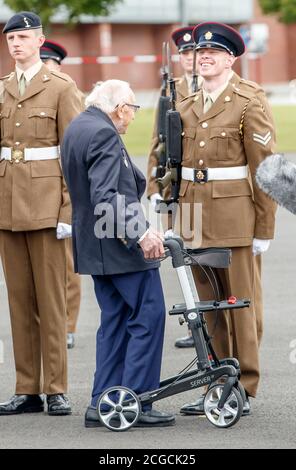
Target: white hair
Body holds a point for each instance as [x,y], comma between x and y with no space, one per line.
[109,94]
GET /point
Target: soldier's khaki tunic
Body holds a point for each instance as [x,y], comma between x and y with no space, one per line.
[237,130]
[33,199]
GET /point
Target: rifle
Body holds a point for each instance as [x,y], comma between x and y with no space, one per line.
[194,74]
[173,126]
[163,106]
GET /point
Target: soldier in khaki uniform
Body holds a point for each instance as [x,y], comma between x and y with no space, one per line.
[34,210]
[183,40]
[227,131]
[185,44]
[52,54]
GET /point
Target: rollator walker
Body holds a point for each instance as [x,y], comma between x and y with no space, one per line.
[119,407]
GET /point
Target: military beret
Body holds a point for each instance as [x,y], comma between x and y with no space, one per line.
[52,50]
[22,21]
[183,38]
[218,36]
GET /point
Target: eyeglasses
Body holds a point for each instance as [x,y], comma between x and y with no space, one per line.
[135,107]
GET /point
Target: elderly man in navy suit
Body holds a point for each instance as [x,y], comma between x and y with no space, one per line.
[114,243]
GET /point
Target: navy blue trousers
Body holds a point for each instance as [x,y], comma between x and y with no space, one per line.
[130,338]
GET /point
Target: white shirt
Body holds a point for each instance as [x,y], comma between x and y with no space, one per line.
[30,72]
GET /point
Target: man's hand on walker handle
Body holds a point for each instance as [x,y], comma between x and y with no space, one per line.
[152,244]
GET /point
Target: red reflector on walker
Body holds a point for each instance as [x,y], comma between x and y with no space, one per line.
[232,299]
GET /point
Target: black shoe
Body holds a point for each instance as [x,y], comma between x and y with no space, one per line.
[58,405]
[246,408]
[147,419]
[70,340]
[91,418]
[195,408]
[154,418]
[22,404]
[186,342]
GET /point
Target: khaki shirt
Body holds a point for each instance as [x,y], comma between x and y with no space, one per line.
[237,130]
[33,194]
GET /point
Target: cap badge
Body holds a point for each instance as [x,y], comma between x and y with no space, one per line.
[187,37]
[27,23]
[208,35]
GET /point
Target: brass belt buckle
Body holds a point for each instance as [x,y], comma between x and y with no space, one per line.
[17,156]
[200,176]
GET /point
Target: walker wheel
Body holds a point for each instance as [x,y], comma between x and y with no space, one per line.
[118,408]
[231,411]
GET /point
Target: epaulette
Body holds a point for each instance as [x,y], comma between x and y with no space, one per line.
[188,97]
[61,75]
[246,93]
[248,88]
[250,83]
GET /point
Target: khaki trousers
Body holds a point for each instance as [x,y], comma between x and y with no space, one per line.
[237,333]
[34,265]
[73,290]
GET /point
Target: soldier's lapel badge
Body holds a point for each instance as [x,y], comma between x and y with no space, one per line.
[262,139]
[124,156]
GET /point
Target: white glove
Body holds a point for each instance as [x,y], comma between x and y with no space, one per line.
[260,246]
[154,198]
[64,231]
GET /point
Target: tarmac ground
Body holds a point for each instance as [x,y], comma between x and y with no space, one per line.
[272,422]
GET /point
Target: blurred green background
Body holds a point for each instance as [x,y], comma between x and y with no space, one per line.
[139,133]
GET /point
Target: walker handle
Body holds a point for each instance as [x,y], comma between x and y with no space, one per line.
[175,247]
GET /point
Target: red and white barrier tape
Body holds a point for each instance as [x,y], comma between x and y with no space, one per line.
[114,59]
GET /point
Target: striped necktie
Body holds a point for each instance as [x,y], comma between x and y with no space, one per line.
[22,84]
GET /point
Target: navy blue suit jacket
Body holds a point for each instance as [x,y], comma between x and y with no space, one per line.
[101,176]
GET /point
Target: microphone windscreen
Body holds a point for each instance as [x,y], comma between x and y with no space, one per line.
[276,176]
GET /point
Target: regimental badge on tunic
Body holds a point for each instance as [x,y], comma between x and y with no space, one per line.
[262,139]
[187,37]
[208,35]
[124,156]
